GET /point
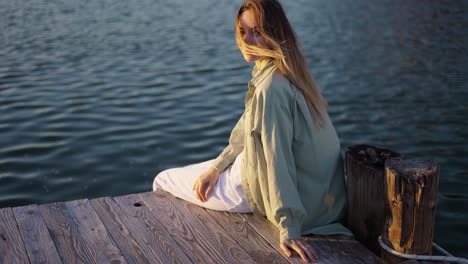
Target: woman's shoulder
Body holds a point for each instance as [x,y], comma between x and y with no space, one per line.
[277,86]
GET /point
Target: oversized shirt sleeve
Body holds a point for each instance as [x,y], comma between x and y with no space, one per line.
[235,146]
[275,116]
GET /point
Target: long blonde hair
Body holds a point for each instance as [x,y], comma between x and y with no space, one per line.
[284,50]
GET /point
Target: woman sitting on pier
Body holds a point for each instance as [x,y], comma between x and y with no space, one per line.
[283,160]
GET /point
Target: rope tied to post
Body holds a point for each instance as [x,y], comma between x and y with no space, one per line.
[448,258]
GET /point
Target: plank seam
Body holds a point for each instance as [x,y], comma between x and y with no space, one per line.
[76,208]
[266,239]
[181,202]
[19,231]
[145,244]
[182,246]
[109,232]
[21,235]
[149,226]
[141,235]
[52,236]
[227,232]
[48,231]
[78,234]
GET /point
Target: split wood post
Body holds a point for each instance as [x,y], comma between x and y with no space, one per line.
[411,189]
[365,174]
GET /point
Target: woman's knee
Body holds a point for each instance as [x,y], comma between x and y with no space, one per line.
[157,180]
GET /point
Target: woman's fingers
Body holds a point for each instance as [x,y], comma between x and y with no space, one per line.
[310,251]
[208,190]
[305,251]
[299,250]
[205,184]
[201,191]
[197,190]
[284,247]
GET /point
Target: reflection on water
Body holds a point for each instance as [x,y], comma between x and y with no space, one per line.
[97,98]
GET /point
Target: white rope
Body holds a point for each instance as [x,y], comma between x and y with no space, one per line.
[441,249]
[422,257]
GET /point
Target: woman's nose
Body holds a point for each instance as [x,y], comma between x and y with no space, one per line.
[248,38]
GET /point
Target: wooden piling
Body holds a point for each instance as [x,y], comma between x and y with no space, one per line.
[365,187]
[411,190]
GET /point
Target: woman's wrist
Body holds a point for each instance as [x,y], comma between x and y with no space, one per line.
[214,169]
[290,232]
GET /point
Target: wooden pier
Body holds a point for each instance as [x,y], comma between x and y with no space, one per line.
[152,227]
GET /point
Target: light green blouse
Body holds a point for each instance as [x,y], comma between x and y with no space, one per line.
[292,172]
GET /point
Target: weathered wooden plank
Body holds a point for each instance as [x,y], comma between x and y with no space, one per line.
[221,241]
[142,224]
[194,244]
[330,250]
[36,236]
[154,230]
[64,232]
[336,249]
[94,233]
[251,241]
[12,249]
[268,232]
[133,247]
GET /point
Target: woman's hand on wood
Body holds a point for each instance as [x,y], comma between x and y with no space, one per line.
[205,184]
[300,246]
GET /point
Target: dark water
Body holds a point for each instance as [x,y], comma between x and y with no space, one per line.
[96,97]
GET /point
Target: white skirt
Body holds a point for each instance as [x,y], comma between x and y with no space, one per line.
[228,194]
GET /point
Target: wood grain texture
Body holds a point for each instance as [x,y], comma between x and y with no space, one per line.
[251,241]
[36,236]
[64,232]
[143,223]
[212,232]
[153,227]
[268,232]
[122,230]
[94,233]
[331,249]
[366,200]
[411,189]
[12,249]
[181,229]
[341,249]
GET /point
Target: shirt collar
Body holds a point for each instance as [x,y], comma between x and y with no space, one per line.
[260,74]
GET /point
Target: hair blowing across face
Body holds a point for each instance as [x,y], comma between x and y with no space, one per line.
[283,49]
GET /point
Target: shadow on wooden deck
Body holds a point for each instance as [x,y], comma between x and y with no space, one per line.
[152,227]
